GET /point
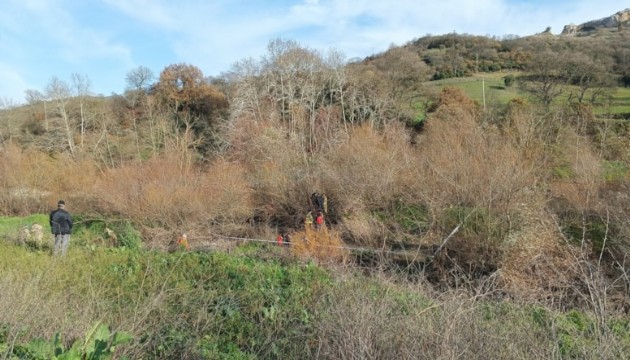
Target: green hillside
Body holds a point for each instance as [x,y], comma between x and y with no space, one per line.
[616,101]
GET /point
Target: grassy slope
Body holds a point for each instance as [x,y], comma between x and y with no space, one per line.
[497,93]
[258,302]
[495,90]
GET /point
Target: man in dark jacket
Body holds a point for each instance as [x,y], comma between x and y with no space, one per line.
[61,227]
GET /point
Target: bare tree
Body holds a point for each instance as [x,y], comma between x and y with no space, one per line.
[60,93]
[81,85]
[546,76]
[589,71]
[404,70]
[6,103]
[246,89]
[139,78]
[34,97]
[311,96]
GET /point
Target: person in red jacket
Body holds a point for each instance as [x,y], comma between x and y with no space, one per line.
[319,220]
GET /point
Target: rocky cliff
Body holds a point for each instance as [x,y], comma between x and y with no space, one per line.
[620,19]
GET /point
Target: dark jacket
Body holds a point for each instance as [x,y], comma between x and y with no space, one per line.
[60,222]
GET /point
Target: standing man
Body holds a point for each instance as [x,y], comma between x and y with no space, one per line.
[61,227]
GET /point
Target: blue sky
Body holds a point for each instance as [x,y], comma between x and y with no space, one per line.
[105,39]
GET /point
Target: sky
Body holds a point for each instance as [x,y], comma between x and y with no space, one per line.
[103,40]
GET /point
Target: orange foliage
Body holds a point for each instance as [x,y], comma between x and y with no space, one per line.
[163,192]
[31,181]
[323,244]
[183,87]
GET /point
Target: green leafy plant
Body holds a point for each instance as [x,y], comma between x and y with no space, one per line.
[99,344]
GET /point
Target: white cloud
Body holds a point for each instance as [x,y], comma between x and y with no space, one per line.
[41,38]
[220,32]
[150,11]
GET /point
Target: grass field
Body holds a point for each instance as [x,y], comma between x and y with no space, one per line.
[492,87]
[618,103]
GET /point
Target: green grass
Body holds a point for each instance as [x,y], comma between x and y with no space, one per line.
[213,305]
[85,233]
[497,93]
[10,226]
[491,83]
[619,103]
[258,303]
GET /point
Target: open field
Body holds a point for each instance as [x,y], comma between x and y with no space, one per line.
[617,102]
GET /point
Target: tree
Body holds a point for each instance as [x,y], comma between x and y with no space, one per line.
[404,70]
[294,76]
[138,82]
[588,70]
[622,64]
[60,93]
[34,97]
[545,76]
[193,103]
[81,85]
[311,96]
[139,79]
[181,87]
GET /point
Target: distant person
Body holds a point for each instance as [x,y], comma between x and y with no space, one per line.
[317,200]
[320,201]
[182,242]
[308,221]
[61,227]
[319,220]
[279,239]
[286,239]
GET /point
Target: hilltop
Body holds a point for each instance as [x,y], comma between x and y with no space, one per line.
[617,21]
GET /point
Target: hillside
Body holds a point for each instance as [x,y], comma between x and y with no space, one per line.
[454,167]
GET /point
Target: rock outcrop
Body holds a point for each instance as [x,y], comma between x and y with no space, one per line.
[620,19]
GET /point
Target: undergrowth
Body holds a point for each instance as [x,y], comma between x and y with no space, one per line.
[258,302]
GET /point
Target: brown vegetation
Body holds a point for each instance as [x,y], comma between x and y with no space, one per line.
[527,195]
